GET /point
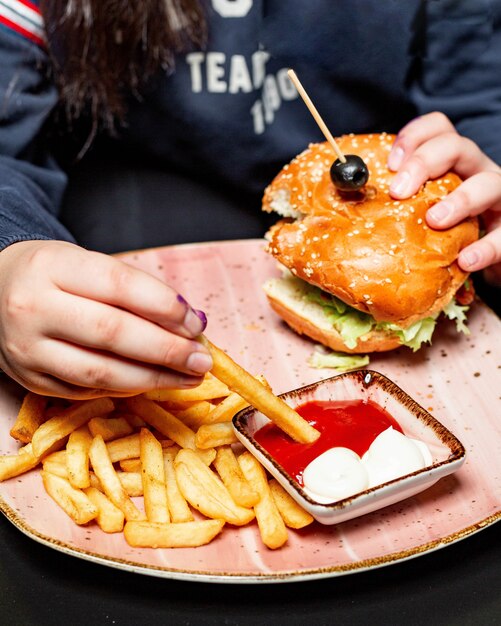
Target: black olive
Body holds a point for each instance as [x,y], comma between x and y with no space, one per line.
[351,175]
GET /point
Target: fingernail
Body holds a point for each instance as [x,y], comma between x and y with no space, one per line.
[202,317]
[193,323]
[469,259]
[400,183]
[440,212]
[199,362]
[395,158]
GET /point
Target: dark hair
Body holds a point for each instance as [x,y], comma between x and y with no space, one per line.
[102,50]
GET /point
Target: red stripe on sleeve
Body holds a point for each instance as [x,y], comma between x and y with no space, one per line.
[22,31]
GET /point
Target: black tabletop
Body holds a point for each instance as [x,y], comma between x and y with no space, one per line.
[458,584]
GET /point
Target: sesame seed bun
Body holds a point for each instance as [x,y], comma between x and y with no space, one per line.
[371,251]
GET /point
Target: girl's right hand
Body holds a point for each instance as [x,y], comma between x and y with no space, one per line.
[80,324]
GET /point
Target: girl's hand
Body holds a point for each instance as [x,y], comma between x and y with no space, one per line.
[79,324]
[427,148]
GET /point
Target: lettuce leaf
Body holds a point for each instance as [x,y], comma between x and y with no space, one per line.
[415,335]
[337,360]
[350,323]
[455,311]
[353,324]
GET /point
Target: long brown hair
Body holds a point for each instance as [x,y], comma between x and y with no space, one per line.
[102,50]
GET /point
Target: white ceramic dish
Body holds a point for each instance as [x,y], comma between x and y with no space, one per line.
[447,451]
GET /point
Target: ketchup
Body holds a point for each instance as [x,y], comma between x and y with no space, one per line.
[351,424]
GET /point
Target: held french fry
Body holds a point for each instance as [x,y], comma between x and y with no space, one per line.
[60,426]
[293,515]
[206,492]
[239,380]
[271,525]
[77,457]
[73,501]
[229,470]
[109,480]
[153,474]
[181,535]
[29,417]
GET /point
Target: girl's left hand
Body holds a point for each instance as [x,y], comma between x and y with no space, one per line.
[427,148]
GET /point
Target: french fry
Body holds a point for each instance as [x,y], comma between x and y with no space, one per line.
[213,435]
[55,463]
[239,380]
[153,473]
[110,427]
[226,409]
[293,515]
[180,535]
[130,465]
[124,448]
[206,492]
[229,470]
[73,501]
[167,424]
[30,416]
[59,427]
[109,480]
[77,457]
[15,464]
[132,482]
[135,421]
[194,415]
[109,517]
[128,447]
[271,525]
[209,389]
[178,507]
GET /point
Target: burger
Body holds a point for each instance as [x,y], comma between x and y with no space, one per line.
[362,271]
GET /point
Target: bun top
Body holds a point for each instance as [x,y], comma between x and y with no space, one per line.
[372,251]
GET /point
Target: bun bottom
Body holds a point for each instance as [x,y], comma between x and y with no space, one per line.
[308,318]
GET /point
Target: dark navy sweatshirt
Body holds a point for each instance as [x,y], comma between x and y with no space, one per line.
[230,110]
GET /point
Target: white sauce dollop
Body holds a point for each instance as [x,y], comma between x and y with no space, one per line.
[335,474]
[392,455]
[340,473]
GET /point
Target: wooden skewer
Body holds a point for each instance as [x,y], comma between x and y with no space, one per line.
[316,115]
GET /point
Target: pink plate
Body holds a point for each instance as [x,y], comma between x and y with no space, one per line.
[457,380]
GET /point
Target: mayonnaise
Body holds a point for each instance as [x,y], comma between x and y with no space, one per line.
[340,473]
[336,474]
[392,455]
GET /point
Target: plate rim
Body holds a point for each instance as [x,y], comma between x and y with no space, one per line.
[246,578]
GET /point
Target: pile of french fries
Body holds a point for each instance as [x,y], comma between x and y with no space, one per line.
[164,467]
